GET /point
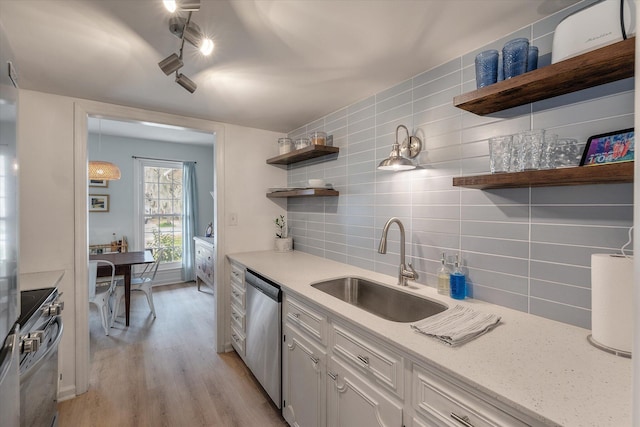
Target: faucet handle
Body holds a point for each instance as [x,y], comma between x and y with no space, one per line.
[411,273]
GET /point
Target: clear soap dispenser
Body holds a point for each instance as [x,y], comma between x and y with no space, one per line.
[458,282]
[443,276]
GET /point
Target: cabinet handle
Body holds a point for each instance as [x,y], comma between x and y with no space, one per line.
[234,293]
[363,359]
[296,315]
[235,338]
[332,375]
[464,420]
[315,360]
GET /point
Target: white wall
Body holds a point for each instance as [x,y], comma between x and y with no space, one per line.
[246,168]
[47,198]
[120,150]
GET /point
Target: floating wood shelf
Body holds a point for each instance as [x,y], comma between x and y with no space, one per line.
[583,175]
[600,66]
[306,153]
[306,192]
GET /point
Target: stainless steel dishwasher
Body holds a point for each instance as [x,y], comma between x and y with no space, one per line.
[263,342]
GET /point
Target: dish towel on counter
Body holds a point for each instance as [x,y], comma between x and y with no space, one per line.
[457,325]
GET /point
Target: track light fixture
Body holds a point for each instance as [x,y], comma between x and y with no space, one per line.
[184,29]
[186,82]
[185,5]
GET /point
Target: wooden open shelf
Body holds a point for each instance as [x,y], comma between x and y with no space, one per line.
[306,153]
[600,66]
[306,192]
[581,175]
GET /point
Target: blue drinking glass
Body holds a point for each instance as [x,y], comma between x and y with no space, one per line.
[532,58]
[486,68]
[514,57]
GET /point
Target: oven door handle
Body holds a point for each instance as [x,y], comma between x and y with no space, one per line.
[50,349]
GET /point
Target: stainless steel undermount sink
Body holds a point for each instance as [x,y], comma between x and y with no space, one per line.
[388,303]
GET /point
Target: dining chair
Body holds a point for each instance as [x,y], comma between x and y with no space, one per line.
[141,282]
[100,295]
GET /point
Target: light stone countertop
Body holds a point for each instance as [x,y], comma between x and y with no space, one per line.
[43,279]
[543,368]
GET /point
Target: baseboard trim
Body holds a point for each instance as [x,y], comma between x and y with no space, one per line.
[67,393]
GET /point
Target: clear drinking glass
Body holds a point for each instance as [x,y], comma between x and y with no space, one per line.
[514,57]
[568,152]
[530,147]
[486,68]
[548,154]
[500,153]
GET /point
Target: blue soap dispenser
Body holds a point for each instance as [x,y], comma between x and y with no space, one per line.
[457,282]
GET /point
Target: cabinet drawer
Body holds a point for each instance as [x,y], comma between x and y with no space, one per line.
[307,319]
[441,401]
[237,341]
[238,295]
[238,318]
[237,274]
[376,361]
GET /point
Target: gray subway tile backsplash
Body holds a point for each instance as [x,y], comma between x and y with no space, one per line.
[526,248]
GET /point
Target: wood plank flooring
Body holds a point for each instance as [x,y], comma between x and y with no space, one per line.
[165,371]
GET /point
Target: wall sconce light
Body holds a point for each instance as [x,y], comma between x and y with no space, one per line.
[184,29]
[399,158]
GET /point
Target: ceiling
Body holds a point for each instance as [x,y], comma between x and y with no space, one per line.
[277,65]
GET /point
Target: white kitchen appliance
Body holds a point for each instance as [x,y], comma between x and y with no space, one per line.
[593,27]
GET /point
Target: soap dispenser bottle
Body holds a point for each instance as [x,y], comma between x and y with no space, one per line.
[458,282]
[443,276]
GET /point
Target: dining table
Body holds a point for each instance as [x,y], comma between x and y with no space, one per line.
[123,261]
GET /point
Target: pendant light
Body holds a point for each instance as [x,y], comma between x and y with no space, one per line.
[101,170]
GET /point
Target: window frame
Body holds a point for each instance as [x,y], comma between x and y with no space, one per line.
[138,197]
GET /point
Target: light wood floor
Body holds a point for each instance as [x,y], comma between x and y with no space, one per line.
[165,371]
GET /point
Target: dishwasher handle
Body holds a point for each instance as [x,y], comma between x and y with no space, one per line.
[264,285]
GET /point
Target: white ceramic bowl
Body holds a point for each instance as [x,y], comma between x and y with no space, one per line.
[316,183]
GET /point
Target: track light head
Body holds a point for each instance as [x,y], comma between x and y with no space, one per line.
[186,82]
[192,34]
[170,64]
[186,5]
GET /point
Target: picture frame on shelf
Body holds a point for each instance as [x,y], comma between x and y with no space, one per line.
[611,147]
[103,183]
[98,203]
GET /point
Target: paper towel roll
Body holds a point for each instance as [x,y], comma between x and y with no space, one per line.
[612,301]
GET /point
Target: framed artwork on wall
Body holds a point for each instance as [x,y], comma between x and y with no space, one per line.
[98,183]
[98,203]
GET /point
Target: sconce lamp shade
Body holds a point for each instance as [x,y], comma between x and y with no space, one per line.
[396,161]
[103,170]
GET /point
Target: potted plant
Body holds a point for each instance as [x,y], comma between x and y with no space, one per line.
[283,242]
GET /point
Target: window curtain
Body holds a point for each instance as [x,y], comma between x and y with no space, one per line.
[190,220]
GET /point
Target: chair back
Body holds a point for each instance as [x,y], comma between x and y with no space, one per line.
[150,270]
[93,276]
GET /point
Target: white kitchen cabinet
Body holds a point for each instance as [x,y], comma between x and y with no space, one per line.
[373,360]
[237,308]
[441,401]
[205,261]
[303,380]
[354,402]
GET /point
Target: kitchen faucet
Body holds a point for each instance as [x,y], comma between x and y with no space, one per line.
[404,275]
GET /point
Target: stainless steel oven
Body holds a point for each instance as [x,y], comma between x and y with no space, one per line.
[40,332]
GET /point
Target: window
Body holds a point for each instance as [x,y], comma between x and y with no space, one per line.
[160,209]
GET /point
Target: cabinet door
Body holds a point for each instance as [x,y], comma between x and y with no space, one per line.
[303,381]
[353,402]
